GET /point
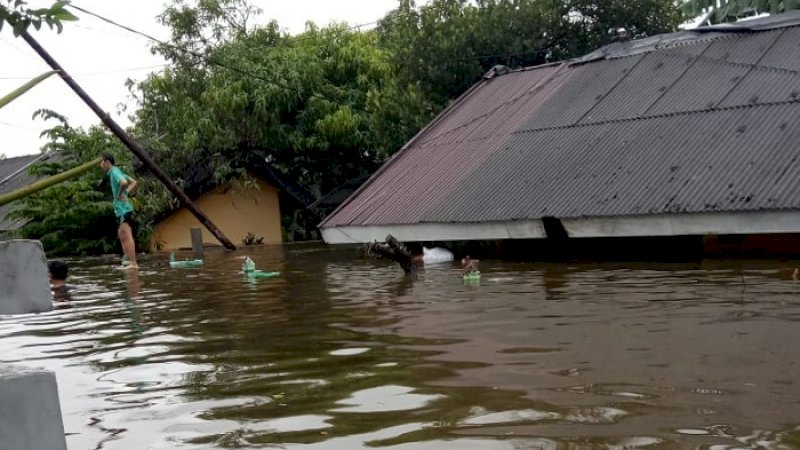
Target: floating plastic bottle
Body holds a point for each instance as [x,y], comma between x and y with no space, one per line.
[248,265]
[249,269]
[176,264]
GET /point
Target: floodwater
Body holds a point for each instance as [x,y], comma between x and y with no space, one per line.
[342,352]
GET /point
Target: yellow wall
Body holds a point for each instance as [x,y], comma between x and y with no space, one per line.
[235,213]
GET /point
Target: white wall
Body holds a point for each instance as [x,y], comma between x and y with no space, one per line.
[655,225]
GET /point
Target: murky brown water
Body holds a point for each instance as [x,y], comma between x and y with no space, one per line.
[344,353]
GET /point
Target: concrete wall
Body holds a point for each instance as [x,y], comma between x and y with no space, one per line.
[30,413]
[235,213]
[24,285]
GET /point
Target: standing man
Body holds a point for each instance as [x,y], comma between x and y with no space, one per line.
[121,187]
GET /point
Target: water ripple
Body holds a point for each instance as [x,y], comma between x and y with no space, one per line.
[345,353]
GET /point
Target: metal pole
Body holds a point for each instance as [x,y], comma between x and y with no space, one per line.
[134,147]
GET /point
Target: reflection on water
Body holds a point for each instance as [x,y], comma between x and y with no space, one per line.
[346,353]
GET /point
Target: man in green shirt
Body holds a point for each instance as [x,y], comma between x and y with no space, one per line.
[121,187]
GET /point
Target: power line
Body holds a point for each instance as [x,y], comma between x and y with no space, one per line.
[227,66]
[98,30]
[295,40]
[20,51]
[131,69]
[116,24]
[376,22]
[100,72]
[216,62]
[197,55]
[19,126]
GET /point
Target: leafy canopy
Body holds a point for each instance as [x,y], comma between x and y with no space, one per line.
[20,16]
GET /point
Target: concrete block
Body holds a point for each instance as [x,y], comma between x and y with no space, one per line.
[24,285]
[197,242]
[30,413]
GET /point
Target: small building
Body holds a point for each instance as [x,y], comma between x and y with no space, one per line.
[242,213]
[694,133]
[235,212]
[14,175]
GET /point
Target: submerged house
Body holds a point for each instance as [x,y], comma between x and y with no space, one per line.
[238,211]
[690,133]
[14,175]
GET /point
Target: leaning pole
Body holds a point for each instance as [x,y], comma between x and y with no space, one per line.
[132,145]
[46,183]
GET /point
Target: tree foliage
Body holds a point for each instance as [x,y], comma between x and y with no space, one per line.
[20,16]
[446,45]
[322,106]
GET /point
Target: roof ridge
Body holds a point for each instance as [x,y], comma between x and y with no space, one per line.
[694,36]
[675,53]
[32,155]
[511,101]
[659,116]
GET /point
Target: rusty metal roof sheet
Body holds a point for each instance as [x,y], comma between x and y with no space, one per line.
[705,121]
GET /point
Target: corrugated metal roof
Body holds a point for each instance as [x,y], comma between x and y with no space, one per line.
[705,83]
[700,122]
[785,53]
[14,175]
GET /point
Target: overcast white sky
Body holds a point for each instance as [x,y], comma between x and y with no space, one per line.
[100,57]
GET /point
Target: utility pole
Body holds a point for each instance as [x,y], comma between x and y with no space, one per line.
[134,147]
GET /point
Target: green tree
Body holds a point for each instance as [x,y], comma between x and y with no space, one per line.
[446,45]
[321,106]
[598,23]
[719,11]
[20,17]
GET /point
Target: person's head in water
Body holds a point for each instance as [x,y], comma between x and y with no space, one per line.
[469,265]
[107,161]
[59,271]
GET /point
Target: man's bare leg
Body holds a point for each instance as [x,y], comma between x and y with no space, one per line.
[128,244]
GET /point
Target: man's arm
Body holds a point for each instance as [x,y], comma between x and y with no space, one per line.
[130,183]
[126,185]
